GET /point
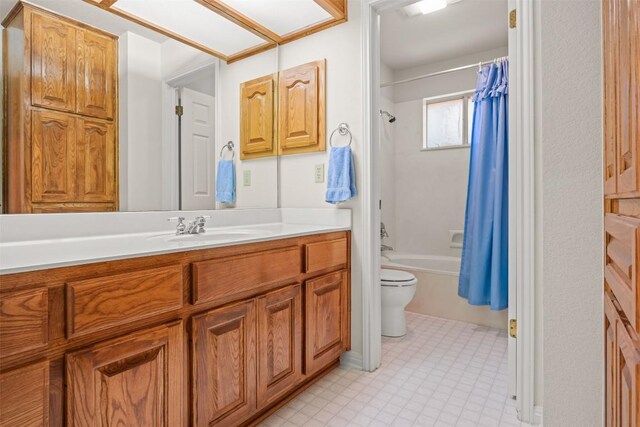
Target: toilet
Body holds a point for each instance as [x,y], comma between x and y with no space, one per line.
[398,289]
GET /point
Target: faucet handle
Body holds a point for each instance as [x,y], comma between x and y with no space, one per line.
[200,222]
[181,225]
[176,219]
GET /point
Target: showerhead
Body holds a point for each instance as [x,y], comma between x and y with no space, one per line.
[390,117]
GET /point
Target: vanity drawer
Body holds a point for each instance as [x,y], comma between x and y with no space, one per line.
[225,279]
[322,255]
[24,321]
[621,263]
[105,302]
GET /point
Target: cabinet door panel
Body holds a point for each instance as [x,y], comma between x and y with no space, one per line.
[628,377]
[24,396]
[96,147]
[279,343]
[256,129]
[301,109]
[611,320]
[53,61]
[224,365]
[96,74]
[53,157]
[135,380]
[326,321]
[610,129]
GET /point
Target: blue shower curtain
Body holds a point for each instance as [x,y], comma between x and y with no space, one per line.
[483,272]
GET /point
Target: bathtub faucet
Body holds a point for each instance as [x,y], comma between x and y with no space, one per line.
[383,231]
[385,248]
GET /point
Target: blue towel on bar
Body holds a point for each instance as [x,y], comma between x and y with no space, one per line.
[341,182]
[226,182]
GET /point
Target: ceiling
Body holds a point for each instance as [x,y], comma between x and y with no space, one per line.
[89,14]
[463,28]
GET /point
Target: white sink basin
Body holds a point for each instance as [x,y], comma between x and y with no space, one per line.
[211,236]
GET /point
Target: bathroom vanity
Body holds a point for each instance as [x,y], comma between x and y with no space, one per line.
[197,336]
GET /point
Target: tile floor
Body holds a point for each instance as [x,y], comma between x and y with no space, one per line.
[442,373]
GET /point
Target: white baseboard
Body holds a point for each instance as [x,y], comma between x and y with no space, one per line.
[351,360]
[537,415]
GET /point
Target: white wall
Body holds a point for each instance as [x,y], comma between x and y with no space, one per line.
[263,191]
[569,273]
[341,46]
[140,118]
[388,158]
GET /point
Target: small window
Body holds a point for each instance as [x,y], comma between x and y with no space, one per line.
[447,121]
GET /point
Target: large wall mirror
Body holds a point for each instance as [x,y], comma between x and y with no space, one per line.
[105,113]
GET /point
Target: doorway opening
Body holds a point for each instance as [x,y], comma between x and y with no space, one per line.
[415,164]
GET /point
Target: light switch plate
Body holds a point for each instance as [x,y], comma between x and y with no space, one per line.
[319,173]
[246,178]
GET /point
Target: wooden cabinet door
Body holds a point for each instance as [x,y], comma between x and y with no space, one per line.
[135,380]
[628,377]
[53,157]
[24,396]
[627,76]
[224,365]
[53,63]
[256,118]
[279,343]
[96,69]
[96,163]
[611,320]
[326,321]
[610,125]
[301,109]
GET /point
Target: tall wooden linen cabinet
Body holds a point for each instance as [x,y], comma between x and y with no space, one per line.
[621,47]
[61,127]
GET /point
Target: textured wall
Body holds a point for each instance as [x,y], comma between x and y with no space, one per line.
[569,217]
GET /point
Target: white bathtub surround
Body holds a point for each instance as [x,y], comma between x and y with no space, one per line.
[437,290]
[34,242]
[442,373]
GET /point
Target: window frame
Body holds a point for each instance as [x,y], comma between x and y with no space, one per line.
[465,96]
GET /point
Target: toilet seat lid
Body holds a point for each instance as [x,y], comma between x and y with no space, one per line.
[396,276]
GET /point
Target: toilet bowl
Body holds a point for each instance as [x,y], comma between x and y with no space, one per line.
[398,289]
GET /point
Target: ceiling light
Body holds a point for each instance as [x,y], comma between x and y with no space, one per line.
[424,7]
[428,6]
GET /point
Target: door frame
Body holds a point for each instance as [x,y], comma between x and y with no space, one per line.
[522,257]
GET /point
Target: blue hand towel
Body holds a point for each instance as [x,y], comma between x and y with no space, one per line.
[341,182]
[226,182]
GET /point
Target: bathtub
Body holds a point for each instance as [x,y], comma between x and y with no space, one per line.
[437,289]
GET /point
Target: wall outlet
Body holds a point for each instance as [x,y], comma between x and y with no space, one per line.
[319,173]
[246,178]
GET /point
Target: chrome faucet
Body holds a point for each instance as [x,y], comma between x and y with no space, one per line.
[383,234]
[195,227]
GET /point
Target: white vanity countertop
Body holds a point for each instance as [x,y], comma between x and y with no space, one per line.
[30,255]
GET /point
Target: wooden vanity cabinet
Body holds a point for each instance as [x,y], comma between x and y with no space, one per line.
[220,336]
[61,102]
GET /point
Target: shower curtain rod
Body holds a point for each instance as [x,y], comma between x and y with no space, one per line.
[438,73]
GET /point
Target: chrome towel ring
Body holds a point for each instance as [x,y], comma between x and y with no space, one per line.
[343,129]
[229,146]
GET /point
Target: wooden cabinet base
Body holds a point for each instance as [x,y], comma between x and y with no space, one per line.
[220,336]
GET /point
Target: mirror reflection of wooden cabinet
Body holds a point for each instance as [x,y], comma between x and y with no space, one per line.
[257,118]
[301,109]
[297,116]
[61,146]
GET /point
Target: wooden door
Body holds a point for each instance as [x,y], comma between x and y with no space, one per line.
[301,109]
[24,396]
[198,152]
[53,63]
[257,118]
[53,157]
[96,161]
[628,377]
[134,380]
[279,343]
[224,365]
[326,320]
[96,71]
